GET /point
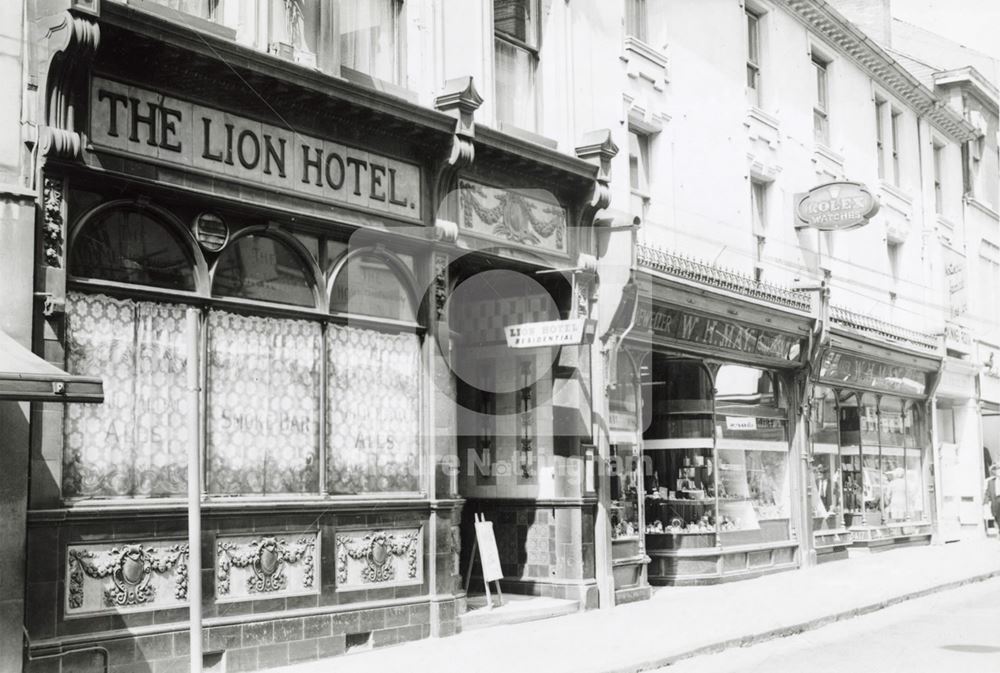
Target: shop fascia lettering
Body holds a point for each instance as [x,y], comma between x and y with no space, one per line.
[851,370]
[719,333]
[176,131]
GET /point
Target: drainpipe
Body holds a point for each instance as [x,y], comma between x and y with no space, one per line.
[818,340]
[602,358]
[194,493]
[938,503]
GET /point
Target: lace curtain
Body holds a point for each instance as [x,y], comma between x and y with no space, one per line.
[373,420]
[263,404]
[135,443]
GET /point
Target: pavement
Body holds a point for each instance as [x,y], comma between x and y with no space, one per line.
[948,631]
[683,622]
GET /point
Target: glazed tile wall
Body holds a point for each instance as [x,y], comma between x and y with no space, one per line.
[287,622]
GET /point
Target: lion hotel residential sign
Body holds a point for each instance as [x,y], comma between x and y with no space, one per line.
[836,206]
[154,126]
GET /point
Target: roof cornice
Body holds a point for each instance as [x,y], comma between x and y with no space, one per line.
[848,39]
[972,80]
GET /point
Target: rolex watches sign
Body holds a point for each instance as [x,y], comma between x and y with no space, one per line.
[835,206]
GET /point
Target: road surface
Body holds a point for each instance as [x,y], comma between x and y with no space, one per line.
[953,631]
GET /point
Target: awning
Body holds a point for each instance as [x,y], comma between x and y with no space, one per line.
[26,377]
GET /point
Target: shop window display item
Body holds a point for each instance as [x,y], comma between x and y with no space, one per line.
[624,506]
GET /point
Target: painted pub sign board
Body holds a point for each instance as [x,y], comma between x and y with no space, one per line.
[152,125]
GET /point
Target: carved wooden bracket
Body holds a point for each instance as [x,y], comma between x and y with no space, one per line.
[71,42]
[597,148]
[460,100]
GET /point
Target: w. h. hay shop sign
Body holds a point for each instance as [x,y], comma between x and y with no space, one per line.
[155,126]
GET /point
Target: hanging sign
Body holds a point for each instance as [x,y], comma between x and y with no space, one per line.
[549,333]
[836,206]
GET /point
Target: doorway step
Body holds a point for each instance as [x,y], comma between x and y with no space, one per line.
[516,608]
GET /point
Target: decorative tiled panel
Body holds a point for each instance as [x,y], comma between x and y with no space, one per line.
[266,566]
[513,217]
[126,577]
[378,558]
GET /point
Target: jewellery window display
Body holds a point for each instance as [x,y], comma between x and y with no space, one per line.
[624,492]
[678,417]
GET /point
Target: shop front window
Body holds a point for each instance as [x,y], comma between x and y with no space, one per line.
[625,460]
[681,490]
[752,442]
[913,464]
[901,461]
[850,459]
[827,493]
[873,479]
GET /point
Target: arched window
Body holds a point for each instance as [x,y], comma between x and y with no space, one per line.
[373,380]
[135,443]
[369,285]
[263,268]
[263,395]
[130,245]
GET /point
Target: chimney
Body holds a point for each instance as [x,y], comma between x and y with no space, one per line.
[873,17]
